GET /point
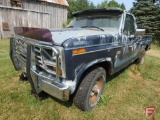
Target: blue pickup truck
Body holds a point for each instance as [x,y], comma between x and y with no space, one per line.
[77,59]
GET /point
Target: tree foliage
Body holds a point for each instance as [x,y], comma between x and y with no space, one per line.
[112,3]
[77,5]
[123,6]
[156,2]
[103,4]
[147,13]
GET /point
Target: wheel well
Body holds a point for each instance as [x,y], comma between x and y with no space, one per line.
[147,47]
[106,65]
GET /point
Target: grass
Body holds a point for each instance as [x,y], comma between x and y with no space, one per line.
[124,98]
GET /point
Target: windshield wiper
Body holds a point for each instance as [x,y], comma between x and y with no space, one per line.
[92,27]
[70,27]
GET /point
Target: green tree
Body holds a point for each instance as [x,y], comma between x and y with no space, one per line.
[78,5]
[82,4]
[123,6]
[113,3]
[103,4]
[71,8]
[91,5]
[148,16]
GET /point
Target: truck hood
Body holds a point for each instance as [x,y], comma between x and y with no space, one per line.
[60,36]
[57,37]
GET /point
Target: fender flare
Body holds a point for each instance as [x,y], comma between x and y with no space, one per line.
[86,67]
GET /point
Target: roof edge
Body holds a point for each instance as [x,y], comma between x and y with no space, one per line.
[58,2]
[97,10]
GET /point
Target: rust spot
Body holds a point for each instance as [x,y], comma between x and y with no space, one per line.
[96,89]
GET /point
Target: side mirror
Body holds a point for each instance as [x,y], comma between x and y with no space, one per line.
[140,32]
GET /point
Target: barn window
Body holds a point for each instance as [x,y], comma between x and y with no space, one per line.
[16,3]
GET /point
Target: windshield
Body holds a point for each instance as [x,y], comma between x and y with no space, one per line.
[104,22]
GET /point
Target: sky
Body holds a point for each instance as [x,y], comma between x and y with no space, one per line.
[127,3]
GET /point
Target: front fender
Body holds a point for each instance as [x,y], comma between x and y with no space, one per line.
[86,66]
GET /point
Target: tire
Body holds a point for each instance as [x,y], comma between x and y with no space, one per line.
[141,59]
[90,89]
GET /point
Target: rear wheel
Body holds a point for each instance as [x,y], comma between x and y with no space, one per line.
[90,89]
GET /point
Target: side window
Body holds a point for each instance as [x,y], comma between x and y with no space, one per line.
[129,27]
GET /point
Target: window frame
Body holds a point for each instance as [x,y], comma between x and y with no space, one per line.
[129,32]
[16,4]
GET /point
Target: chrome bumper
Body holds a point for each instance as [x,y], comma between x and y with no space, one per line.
[55,89]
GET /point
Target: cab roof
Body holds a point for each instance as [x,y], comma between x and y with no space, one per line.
[116,10]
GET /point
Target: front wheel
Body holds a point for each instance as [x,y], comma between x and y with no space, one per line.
[90,89]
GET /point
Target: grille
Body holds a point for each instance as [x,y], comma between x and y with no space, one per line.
[20,49]
[45,60]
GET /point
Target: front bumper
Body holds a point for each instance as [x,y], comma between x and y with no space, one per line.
[39,81]
[55,89]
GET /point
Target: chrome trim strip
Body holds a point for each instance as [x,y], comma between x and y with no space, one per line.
[62,58]
[49,63]
[106,44]
[57,65]
[103,49]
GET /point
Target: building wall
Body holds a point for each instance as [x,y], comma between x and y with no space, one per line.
[32,14]
[5,2]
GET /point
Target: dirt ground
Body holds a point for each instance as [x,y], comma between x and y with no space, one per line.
[154,52]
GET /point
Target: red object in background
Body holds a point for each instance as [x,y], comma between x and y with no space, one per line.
[149,110]
[40,34]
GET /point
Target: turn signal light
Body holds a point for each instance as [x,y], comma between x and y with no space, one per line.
[60,71]
[77,51]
